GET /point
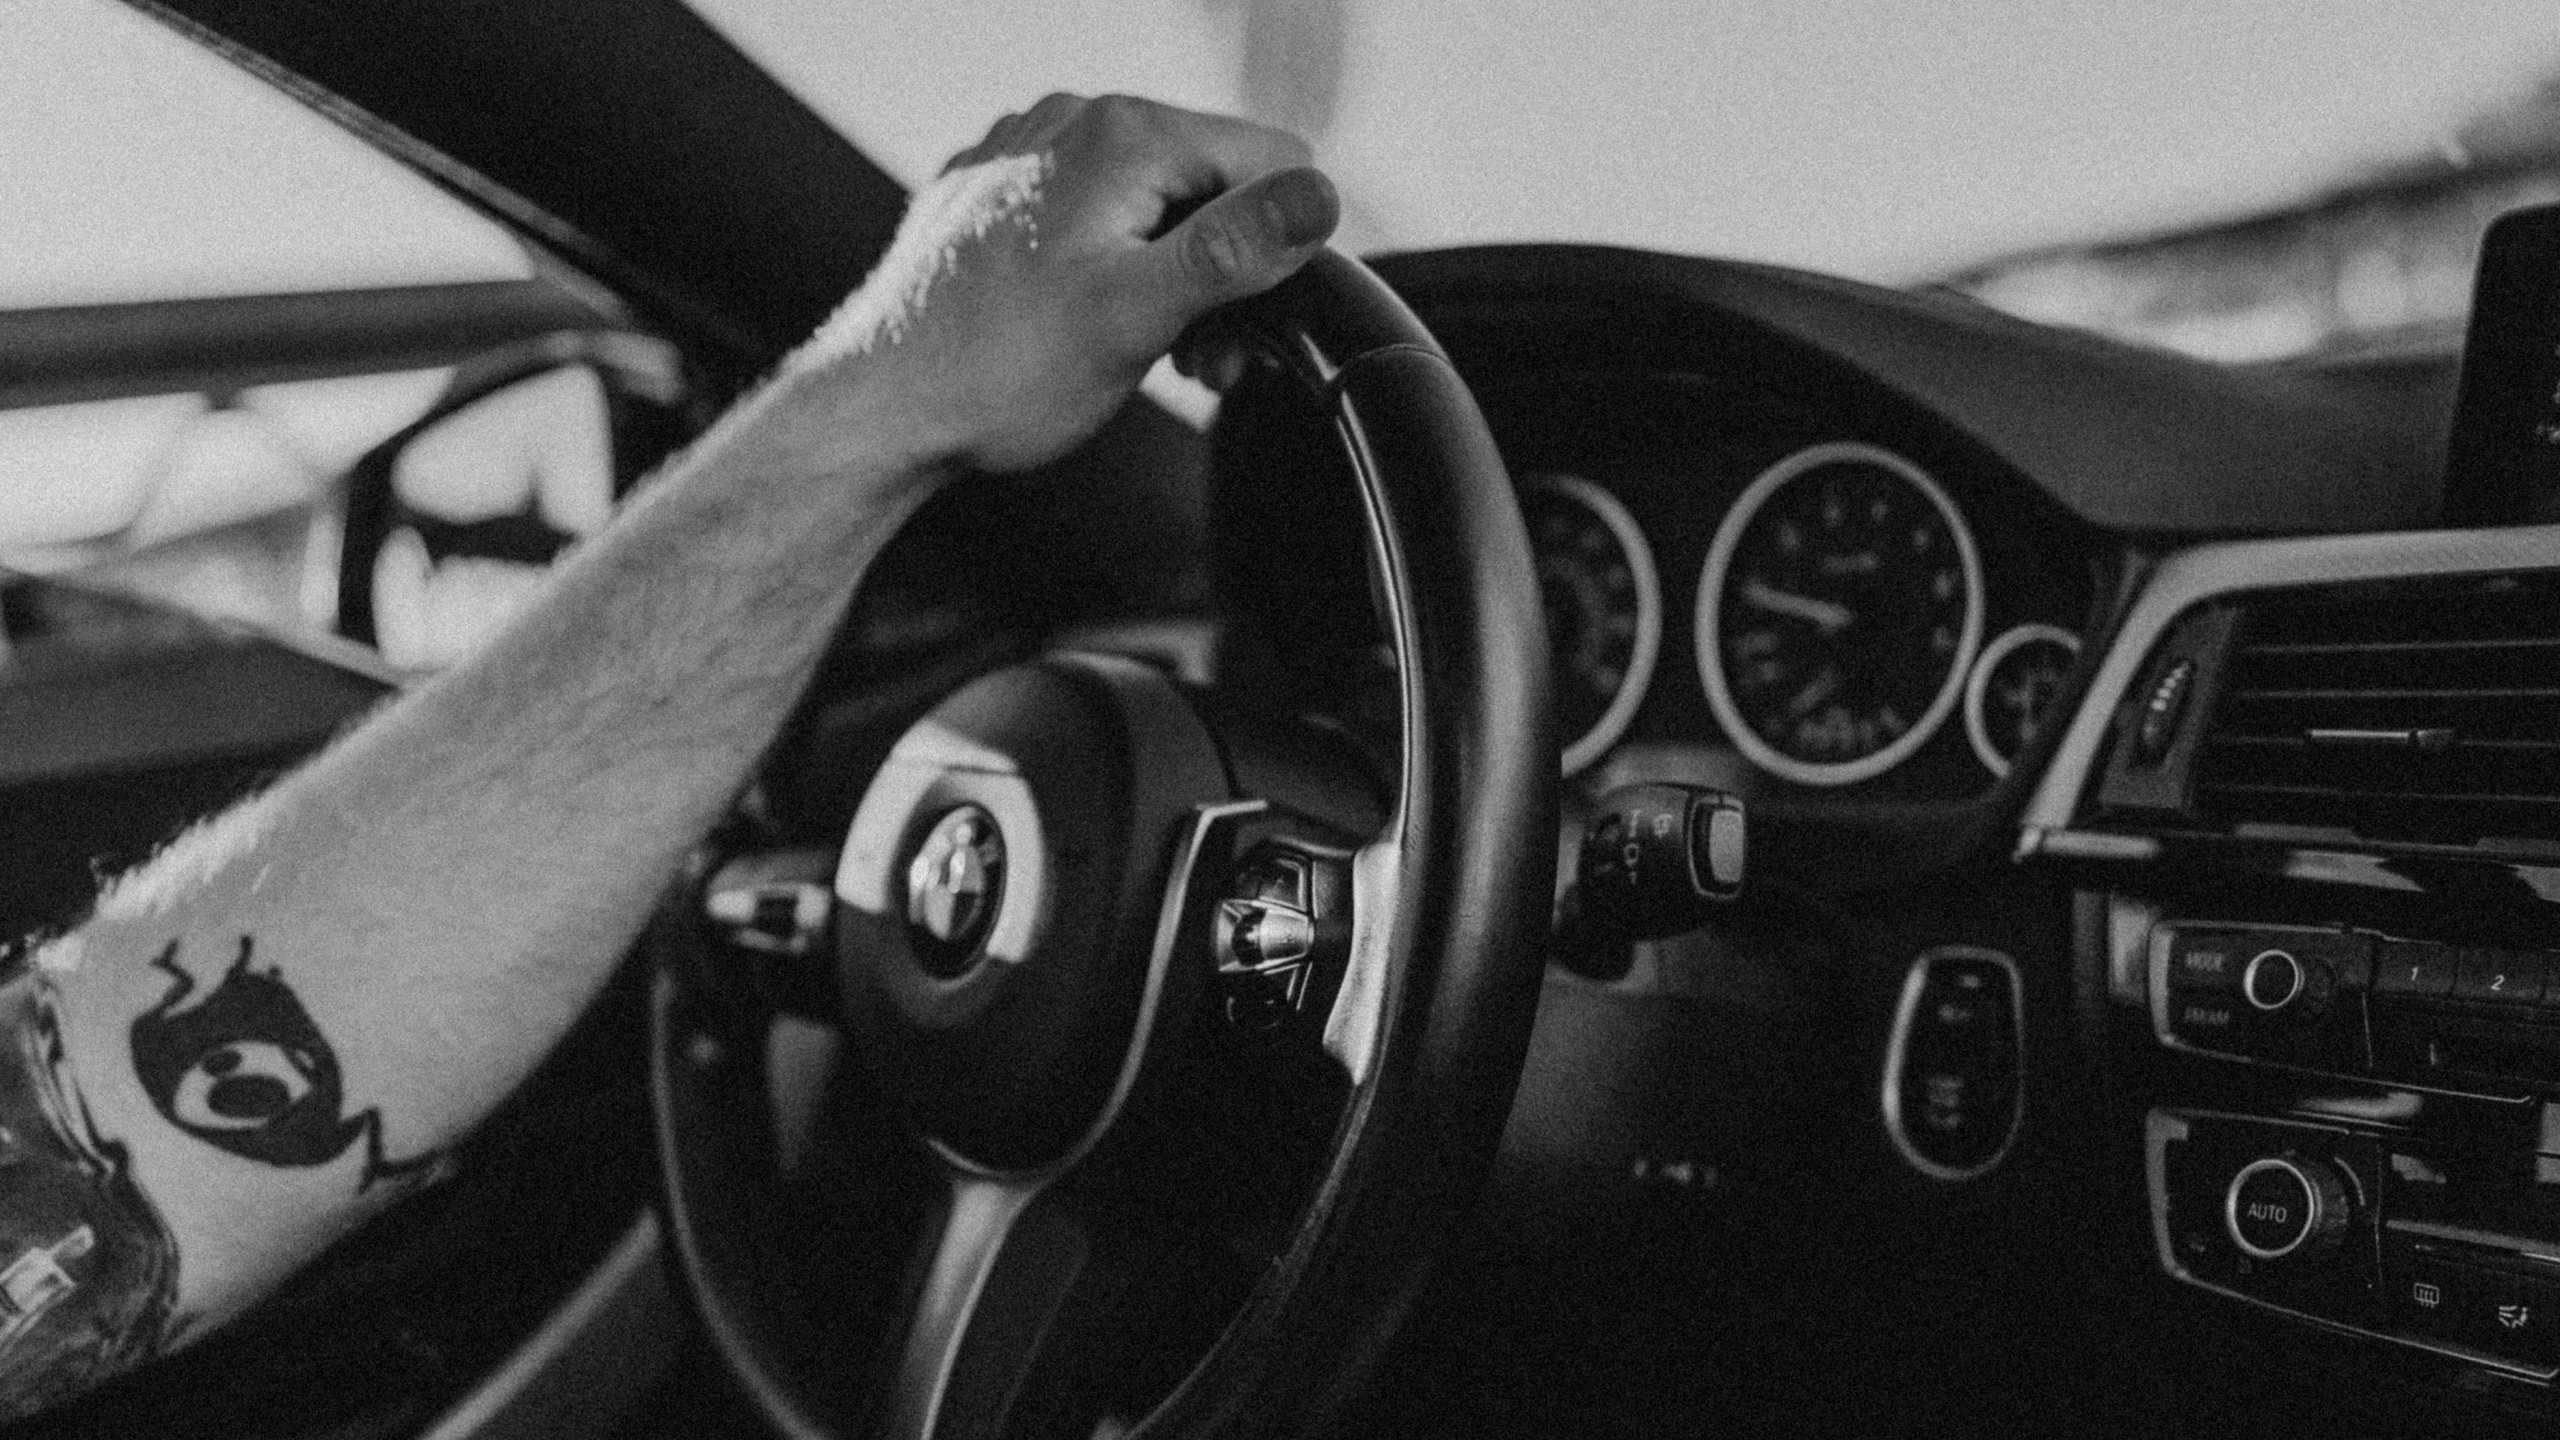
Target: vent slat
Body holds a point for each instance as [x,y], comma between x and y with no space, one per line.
[2537,692]
[2466,668]
[2279,648]
[2364,796]
[2298,742]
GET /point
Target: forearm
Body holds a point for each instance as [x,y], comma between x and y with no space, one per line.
[327,987]
[257,1035]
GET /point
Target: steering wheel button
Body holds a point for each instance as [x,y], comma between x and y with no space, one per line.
[1280,879]
[1261,934]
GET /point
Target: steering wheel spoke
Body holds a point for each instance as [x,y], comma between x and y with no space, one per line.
[1357,1017]
[998,1274]
[1056,1309]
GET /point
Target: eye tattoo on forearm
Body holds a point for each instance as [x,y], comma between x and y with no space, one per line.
[243,1068]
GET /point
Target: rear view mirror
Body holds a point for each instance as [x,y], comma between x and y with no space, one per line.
[456,524]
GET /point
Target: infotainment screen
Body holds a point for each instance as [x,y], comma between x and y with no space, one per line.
[2502,459]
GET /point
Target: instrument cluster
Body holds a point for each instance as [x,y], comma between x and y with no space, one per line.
[1841,617]
[1827,603]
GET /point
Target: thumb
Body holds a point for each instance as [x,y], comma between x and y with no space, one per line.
[1250,238]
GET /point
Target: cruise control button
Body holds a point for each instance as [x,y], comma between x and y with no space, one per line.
[2514,977]
[2404,968]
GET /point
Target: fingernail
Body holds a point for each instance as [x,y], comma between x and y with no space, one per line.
[1300,206]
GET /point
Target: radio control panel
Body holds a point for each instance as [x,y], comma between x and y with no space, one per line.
[2348,1002]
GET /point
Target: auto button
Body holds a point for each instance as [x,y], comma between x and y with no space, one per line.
[2284,1205]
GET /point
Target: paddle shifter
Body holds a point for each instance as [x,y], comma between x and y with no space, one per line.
[1655,861]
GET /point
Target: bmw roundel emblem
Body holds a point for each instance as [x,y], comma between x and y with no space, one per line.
[953,887]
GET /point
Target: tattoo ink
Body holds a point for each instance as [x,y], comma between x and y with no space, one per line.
[244,1069]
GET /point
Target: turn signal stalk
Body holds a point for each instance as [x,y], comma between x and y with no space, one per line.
[1655,861]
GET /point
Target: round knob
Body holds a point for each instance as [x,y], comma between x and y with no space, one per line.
[2273,979]
[2284,1205]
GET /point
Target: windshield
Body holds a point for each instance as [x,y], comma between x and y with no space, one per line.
[138,166]
[1897,143]
[2292,173]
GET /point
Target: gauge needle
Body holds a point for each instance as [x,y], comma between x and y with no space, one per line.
[1824,686]
[1830,615]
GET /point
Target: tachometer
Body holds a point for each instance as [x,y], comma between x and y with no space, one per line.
[1604,608]
[1840,605]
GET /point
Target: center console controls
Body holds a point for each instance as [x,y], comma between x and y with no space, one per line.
[2366,1231]
[2348,1002]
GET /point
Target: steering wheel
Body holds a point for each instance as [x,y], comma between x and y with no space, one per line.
[1179,1048]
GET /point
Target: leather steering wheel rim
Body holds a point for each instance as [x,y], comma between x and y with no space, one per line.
[1454,925]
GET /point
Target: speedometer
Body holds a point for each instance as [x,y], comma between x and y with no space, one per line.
[1839,607]
[1604,608]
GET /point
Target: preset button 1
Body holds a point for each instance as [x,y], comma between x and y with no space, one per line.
[2407,968]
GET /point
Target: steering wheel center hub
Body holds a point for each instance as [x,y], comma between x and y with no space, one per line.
[998,902]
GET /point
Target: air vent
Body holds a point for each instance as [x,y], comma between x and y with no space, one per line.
[2420,711]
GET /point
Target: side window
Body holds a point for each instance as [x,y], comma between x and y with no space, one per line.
[218,306]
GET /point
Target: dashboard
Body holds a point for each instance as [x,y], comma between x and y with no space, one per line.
[1908,577]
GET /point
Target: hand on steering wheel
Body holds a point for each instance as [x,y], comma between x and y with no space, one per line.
[1030,287]
[1189,1046]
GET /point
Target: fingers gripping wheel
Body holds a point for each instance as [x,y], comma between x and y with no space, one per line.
[1058,891]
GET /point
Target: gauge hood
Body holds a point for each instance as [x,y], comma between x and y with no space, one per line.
[2129,439]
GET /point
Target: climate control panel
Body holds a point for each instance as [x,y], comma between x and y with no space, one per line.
[2369,1231]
